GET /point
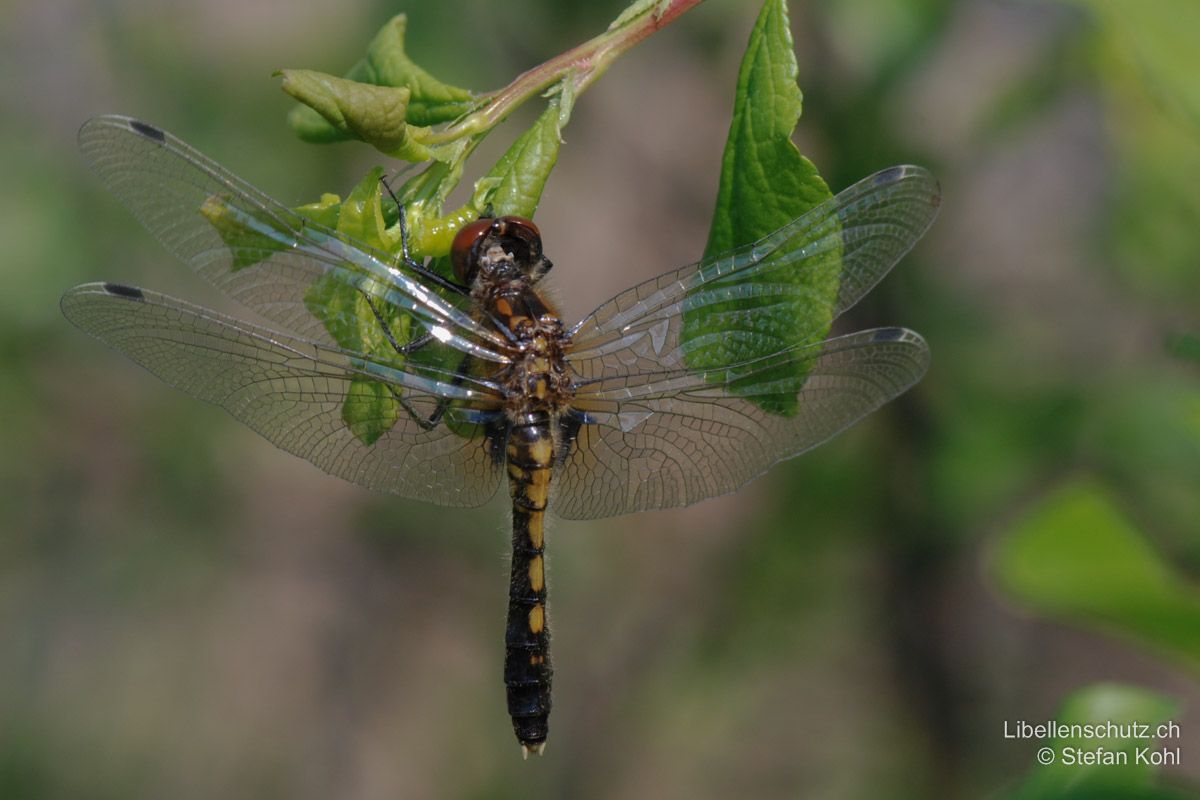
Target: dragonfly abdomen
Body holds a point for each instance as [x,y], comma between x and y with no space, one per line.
[527,669]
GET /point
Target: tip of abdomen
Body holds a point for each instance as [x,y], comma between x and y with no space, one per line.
[536,749]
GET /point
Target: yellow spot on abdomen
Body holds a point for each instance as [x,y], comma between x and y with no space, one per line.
[538,489]
[537,574]
[537,619]
[542,450]
[537,538]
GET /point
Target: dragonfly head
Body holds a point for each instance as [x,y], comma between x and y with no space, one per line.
[499,250]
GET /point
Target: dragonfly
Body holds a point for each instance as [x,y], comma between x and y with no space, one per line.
[681,388]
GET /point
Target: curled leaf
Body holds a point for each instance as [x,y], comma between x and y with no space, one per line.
[375,114]
[386,64]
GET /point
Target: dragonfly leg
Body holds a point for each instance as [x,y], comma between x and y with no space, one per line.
[402,349]
[425,423]
[404,252]
[439,411]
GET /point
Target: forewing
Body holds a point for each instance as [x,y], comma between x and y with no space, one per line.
[674,437]
[870,226]
[268,257]
[295,393]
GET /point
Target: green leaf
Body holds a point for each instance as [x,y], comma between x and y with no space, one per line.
[325,211]
[1076,557]
[245,234]
[370,410]
[361,215]
[1098,705]
[765,183]
[387,64]
[375,114]
[344,310]
[354,321]
[520,175]
[431,235]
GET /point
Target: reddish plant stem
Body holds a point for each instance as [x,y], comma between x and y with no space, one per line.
[582,65]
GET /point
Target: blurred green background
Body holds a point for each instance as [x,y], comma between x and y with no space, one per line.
[186,612]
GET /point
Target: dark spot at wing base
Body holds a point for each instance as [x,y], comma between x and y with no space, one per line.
[889,335]
[149,131]
[121,290]
[889,175]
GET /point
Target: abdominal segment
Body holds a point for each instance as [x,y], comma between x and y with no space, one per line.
[527,669]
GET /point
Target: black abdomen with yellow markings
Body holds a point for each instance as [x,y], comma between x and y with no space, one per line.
[537,391]
[527,669]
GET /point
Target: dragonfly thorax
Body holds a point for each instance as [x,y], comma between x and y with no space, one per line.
[537,378]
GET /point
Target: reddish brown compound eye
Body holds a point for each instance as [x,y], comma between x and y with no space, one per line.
[462,251]
[522,229]
[525,238]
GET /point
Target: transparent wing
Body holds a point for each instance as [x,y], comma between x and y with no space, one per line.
[675,437]
[872,224]
[260,252]
[299,395]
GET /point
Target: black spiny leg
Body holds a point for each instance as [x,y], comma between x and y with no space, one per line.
[402,349]
[403,222]
[406,349]
[431,422]
[406,255]
[444,403]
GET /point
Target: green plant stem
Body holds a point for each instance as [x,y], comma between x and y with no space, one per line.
[581,65]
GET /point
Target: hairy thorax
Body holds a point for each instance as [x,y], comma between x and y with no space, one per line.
[537,378]
[503,260]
